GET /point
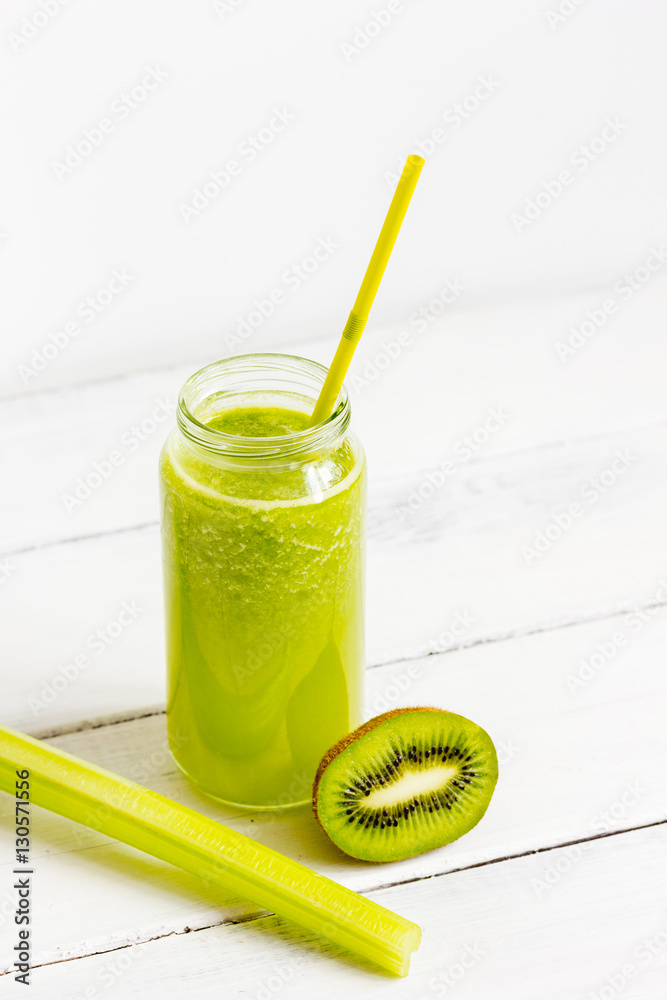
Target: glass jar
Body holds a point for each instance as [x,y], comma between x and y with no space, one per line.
[263,557]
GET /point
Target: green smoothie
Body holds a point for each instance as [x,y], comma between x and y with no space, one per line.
[263,569]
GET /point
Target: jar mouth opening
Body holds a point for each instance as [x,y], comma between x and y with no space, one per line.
[284,375]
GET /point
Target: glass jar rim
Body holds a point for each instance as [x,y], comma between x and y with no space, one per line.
[296,444]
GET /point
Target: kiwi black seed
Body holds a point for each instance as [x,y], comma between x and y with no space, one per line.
[406,782]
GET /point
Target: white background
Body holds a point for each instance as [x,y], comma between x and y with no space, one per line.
[561,652]
[357,114]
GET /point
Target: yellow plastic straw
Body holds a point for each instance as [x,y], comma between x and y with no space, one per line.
[167,830]
[369,286]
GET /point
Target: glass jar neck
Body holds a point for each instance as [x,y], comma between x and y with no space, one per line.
[271,380]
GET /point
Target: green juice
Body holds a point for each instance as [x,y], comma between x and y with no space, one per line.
[263,570]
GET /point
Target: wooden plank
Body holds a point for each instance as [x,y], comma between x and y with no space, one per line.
[414,401]
[458,554]
[576,761]
[586,921]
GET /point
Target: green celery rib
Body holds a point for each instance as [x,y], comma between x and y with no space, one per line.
[167,830]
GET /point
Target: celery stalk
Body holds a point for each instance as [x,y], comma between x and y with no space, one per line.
[167,830]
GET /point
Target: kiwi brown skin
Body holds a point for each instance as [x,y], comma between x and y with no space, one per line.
[344,743]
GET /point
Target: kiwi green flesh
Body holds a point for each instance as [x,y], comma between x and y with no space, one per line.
[404,783]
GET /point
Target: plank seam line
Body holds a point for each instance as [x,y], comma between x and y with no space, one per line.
[408,477]
[262,915]
[524,854]
[56,390]
[497,301]
[554,445]
[75,539]
[552,625]
[544,628]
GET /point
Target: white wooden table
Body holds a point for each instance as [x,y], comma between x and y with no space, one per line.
[560,890]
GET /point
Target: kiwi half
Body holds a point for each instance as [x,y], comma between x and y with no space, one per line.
[406,782]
